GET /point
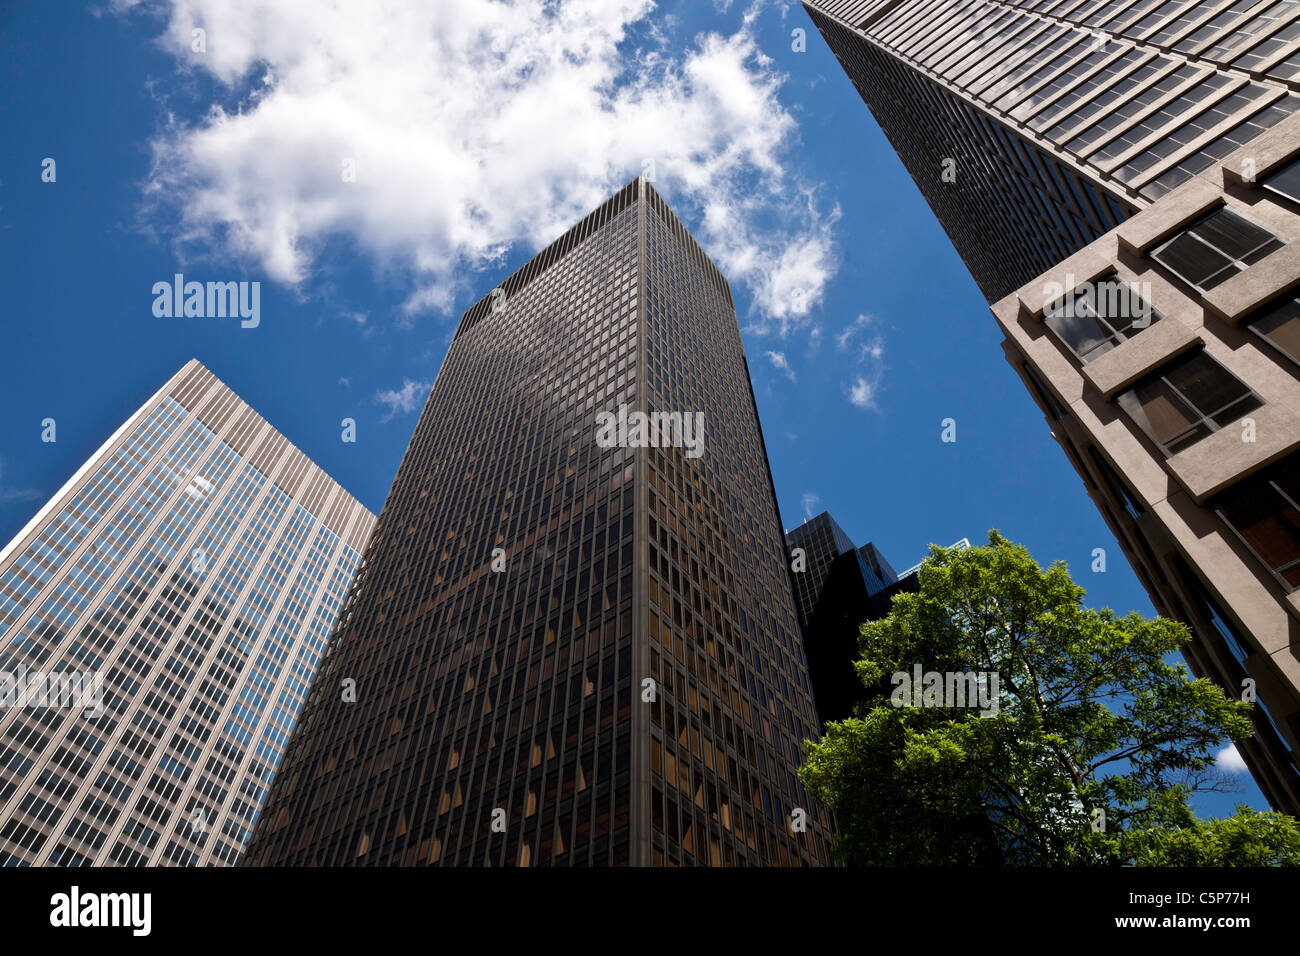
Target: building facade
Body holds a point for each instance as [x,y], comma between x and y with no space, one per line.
[1113,167]
[1166,358]
[836,587]
[1032,127]
[161,618]
[569,649]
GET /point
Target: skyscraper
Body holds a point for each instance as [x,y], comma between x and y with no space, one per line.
[1166,359]
[835,585]
[161,618]
[574,642]
[1117,176]
[1032,127]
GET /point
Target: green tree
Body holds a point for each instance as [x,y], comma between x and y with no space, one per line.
[1082,745]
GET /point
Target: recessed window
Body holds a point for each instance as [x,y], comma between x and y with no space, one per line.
[1095,317]
[1286,181]
[1187,400]
[1264,511]
[1215,249]
[1279,325]
[1045,395]
[1115,484]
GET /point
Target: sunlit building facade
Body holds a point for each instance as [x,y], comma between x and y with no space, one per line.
[1032,127]
[192,571]
[567,652]
[1115,174]
[1178,402]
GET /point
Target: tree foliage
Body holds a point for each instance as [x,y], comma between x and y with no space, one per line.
[1089,757]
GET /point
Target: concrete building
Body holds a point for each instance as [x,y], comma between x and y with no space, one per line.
[1166,357]
[1114,173]
[574,644]
[186,580]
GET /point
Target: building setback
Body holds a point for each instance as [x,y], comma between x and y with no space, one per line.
[196,563]
[1178,402]
[1032,127]
[563,653]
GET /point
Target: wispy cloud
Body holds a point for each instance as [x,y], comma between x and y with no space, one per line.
[862,393]
[852,331]
[810,503]
[438,136]
[781,364]
[868,352]
[403,400]
[8,495]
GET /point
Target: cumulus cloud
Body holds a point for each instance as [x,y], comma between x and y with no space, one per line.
[1230,761]
[781,364]
[439,136]
[402,400]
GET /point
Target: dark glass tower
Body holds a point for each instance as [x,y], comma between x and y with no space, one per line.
[566,653]
[1032,127]
[837,587]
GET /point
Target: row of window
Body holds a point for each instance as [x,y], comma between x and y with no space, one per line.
[1192,396]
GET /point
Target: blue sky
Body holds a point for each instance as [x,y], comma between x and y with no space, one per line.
[862,327]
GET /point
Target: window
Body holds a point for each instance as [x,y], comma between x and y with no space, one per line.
[1215,249]
[1209,608]
[1046,397]
[1097,316]
[1264,511]
[1279,325]
[1286,181]
[1187,400]
[1115,485]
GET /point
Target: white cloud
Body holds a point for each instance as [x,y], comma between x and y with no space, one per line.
[781,364]
[1230,761]
[403,400]
[16,494]
[862,393]
[810,503]
[869,363]
[814,341]
[846,337]
[473,127]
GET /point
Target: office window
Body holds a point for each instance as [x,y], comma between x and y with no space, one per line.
[1186,400]
[1279,325]
[1215,249]
[1097,316]
[1286,181]
[1264,512]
